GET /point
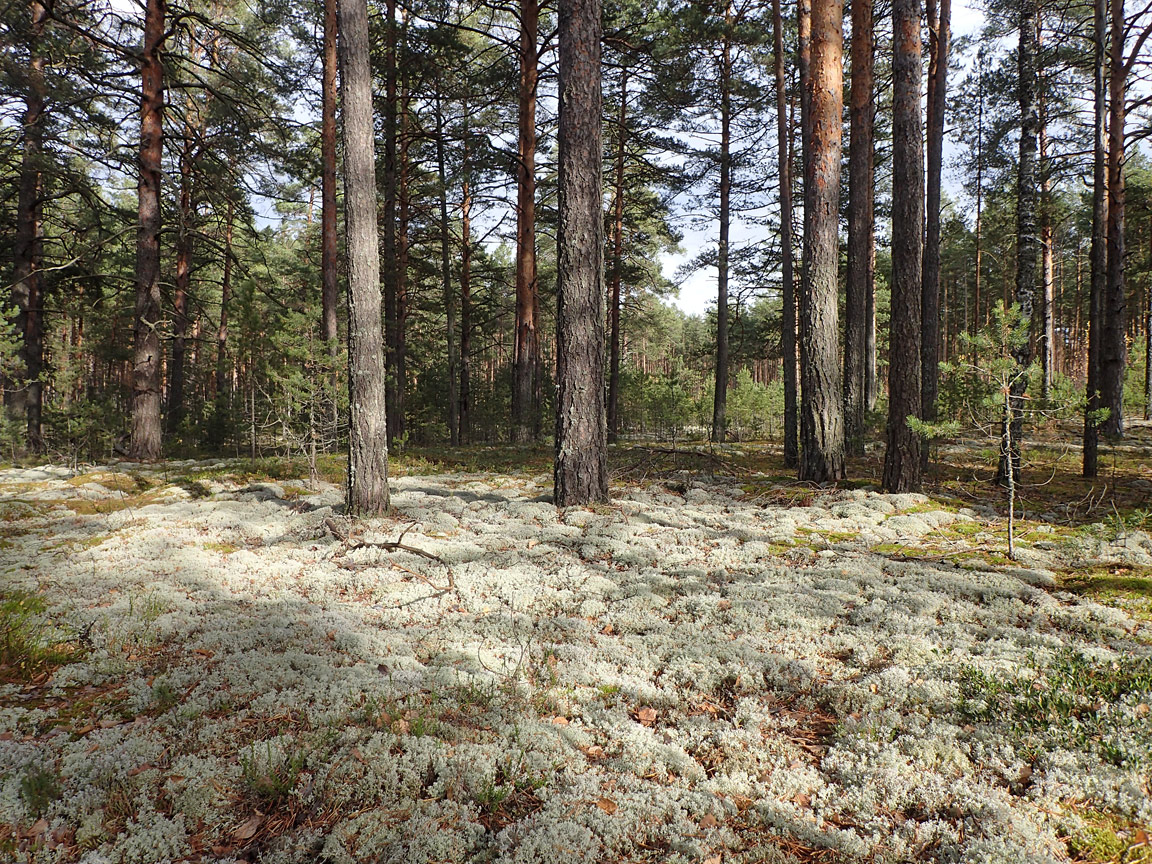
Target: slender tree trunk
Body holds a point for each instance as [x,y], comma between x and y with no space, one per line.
[367,428]
[861,226]
[788,284]
[720,395]
[1047,276]
[902,464]
[397,408]
[446,283]
[821,407]
[1027,237]
[25,400]
[527,341]
[223,395]
[581,469]
[939,23]
[466,302]
[617,264]
[146,426]
[1114,349]
[330,288]
[182,282]
[977,321]
[388,244]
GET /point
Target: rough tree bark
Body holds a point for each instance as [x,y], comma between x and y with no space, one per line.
[617,264]
[1113,347]
[1098,256]
[146,427]
[330,289]
[861,226]
[821,406]
[788,288]
[902,465]
[446,283]
[388,217]
[526,346]
[25,400]
[581,470]
[939,22]
[367,428]
[720,393]
[1027,237]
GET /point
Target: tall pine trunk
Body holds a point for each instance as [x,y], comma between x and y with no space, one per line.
[466,301]
[581,470]
[146,427]
[788,286]
[223,377]
[720,394]
[617,264]
[25,399]
[1114,349]
[861,226]
[1098,255]
[821,407]
[902,465]
[367,428]
[526,347]
[447,293]
[330,289]
[1027,238]
[939,22]
[183,278]
[388,217]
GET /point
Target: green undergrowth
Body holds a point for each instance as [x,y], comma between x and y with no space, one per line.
[1070,701]
[1126,585]
[31,643]
[1108,838]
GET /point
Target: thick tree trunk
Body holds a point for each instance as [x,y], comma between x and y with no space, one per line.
[1114,349]
[146,426]
[367,428]
[720,395]
[330,289]
[788,284]
[446,283]
[526,348]
[902,464]
[617,264]
[581,470]
[939,23]
[1098,256]
[1027,237]
[821,407]
[861,226]
[25,399]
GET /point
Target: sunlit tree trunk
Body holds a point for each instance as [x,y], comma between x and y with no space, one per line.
[330,289]
[861,226]
[146,427]
[939,22]
[526,348]
[902,465]
[581,470]
[367,428]
[1098,255]
[821,406]
[25,399]
[788,288]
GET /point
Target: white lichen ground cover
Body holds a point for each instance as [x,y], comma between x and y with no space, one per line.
[690,677]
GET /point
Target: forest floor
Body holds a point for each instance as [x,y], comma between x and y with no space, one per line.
[206,661]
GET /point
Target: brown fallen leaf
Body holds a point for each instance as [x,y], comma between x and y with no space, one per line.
[40,826]
[248,830]
[593,752]
[1140,838]
[709,821]
[801,800]
[84,730]
[607,805]
[713,859]
[646,715]
[1142,709]
[559,721]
